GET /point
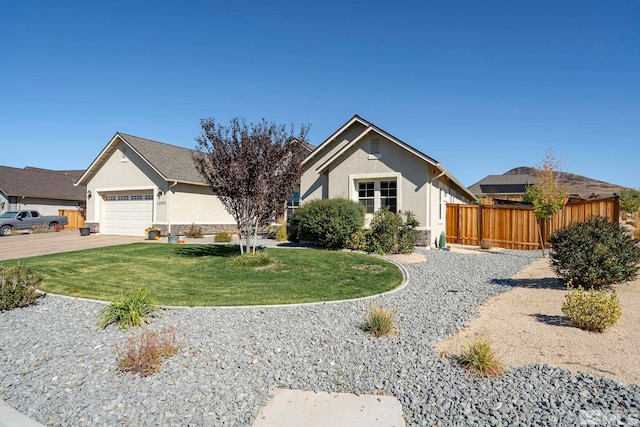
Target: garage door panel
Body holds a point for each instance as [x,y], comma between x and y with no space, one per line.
[127,214]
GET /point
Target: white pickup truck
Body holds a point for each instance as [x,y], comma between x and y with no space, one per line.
[22,220]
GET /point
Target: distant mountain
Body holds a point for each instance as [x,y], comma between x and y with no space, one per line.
[578,184]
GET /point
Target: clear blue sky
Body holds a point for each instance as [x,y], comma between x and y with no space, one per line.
[481,86]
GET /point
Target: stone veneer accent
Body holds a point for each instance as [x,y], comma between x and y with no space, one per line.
[424,237]
[181,229]
[94,226]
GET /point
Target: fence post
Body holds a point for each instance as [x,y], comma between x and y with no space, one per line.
[480,237]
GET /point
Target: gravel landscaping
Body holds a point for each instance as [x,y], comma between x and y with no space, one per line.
[59,368]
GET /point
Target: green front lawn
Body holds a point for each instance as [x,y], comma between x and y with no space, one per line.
[198,275]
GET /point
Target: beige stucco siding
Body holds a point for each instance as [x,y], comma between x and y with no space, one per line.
[187,204]
[120,172]
[393,163]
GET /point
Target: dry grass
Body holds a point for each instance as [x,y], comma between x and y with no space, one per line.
[143,354]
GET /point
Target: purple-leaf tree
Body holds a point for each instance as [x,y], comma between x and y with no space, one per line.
[252,169]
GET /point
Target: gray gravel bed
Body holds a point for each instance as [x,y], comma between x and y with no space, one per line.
[59,368]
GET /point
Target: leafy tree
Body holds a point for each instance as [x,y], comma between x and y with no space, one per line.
[251,168]
[630,200]
[546,194]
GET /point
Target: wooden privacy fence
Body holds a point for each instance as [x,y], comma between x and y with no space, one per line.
[75,219]
[516,227]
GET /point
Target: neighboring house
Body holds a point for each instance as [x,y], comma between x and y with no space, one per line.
[44,190]
[503,187]
[135,183]
[512,184]
[364,163]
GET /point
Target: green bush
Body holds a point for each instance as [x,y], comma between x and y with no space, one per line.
[194,232]
[593,310]
[17,286]
[392,233]
[630,200]
[595,253]
[223,237]
[131,310]
[329,222]
[479,358]
[358,241]
[380,321]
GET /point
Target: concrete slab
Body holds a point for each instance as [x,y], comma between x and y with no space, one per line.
[294,408]
[9,417]
[27,245]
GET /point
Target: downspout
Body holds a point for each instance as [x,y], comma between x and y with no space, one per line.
[430,211]
[168,205]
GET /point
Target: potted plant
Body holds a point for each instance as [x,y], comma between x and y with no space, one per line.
[152,232]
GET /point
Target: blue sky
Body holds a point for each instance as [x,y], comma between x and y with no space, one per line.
[481,86]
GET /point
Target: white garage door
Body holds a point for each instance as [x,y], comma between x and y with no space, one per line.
[127,214]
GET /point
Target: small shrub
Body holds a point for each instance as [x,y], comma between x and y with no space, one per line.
[329,222]
[380,321]
[143,354]
[592,310]
[630,200]
[132,310]
[194,232]
[258,259]
[40,229]
[223,237]
[479,358]
[595,253]
[390,232]
[486,244]
[358,241]
[17,286]
[281,233]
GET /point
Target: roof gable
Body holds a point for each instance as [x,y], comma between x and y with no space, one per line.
[40,183]
[170,162]
[368,128]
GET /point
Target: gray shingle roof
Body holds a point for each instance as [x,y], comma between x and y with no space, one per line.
[174,163]
[41,183]
[502,184]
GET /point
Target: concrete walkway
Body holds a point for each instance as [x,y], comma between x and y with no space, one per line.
[293,408]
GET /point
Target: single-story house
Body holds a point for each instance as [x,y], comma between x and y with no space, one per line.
[364,163]
[135,183]
[44,190]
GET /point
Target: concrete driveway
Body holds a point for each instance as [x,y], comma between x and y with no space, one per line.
[26,245]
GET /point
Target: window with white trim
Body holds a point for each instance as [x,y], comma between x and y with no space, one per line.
[366,196]
[389,195]
[377,194]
